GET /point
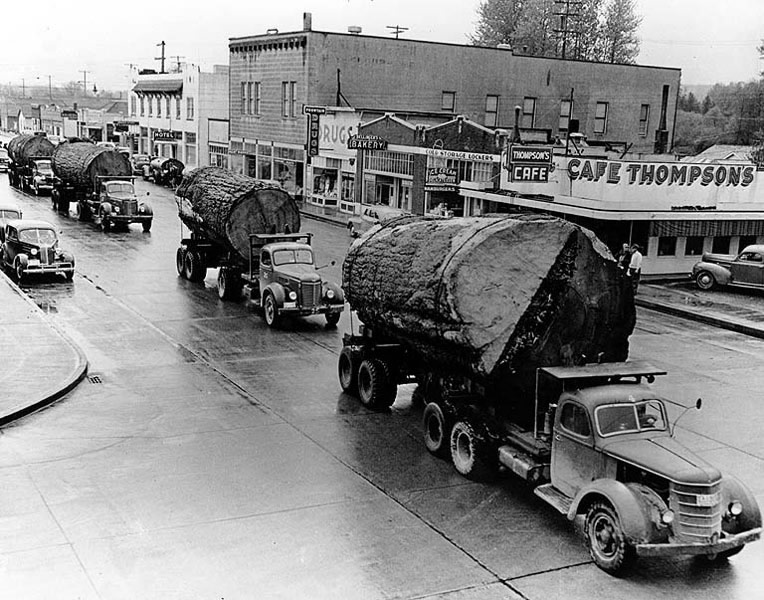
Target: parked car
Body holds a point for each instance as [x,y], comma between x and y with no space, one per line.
[32,247]
[744,270]
[42,176]
[8,212]
[5,160]
[371,215]
[138,161]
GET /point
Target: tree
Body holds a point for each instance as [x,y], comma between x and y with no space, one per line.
[618,34]
[534,30]
[497,20]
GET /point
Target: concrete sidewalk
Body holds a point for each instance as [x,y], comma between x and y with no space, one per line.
[38,361]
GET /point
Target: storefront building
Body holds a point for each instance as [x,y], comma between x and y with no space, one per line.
[675,210]
[178,112]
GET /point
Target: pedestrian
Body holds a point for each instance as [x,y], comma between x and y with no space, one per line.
[635,266]
[624,258]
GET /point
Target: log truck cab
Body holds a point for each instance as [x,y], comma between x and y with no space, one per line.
[114,202]
[283,280]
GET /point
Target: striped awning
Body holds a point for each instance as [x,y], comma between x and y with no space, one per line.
[162,86]
[705,228]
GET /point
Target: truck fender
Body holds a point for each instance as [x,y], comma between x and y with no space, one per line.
[278,293]
[147,210]
[633,503]
[722,275]
[105,208]
[339,297]
[750,518]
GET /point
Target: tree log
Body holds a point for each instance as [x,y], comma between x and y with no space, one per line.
[23,147]
[227,208]
[491,297]
[81,163]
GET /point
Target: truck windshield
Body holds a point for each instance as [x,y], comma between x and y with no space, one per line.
[285,257]
[38,237]
[10,214]
[44,165]
[613,419]
[120,188]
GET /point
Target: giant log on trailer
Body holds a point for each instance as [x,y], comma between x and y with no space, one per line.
[492,298]
[26,146]
[226,207]
[81,163]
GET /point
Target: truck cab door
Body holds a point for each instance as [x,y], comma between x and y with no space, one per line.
[574,459]
[266,268]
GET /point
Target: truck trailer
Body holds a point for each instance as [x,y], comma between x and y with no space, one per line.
[516,331]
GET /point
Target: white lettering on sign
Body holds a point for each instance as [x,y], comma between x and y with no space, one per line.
[530,173]
[335,135]
[660,174]
[462,155]
[530,154]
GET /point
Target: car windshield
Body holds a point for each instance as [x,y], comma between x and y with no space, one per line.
[285,257]
[9,214]
[38,237]
[647,415]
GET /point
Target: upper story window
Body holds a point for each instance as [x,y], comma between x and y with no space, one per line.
[292,98]
[448,101]
[143,106]
[159,107]
[566,107]
[600,117]
[529,113]
[151,106]
[491,111]
[167,107]
[257,97]
[177,108]
[288,99]
[644,119]
[133,103]
[189,108]
[244,97]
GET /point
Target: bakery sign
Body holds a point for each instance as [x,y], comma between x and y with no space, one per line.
[366,142]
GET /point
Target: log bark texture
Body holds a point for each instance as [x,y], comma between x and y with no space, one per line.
[491,297]
[23,147]
[226,207]
[81,163]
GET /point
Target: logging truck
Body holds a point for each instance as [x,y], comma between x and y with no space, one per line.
[100,183]
[24,152]
[248,229]
[495,330]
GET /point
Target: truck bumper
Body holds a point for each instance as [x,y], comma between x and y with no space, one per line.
[127,219]
[288,309]
[727,543]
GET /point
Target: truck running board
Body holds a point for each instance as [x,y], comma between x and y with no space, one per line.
[551,495]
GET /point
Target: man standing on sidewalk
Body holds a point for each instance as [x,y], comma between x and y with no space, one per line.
[635,266]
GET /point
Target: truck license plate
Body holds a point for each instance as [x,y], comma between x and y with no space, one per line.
[34,262]
[708,499]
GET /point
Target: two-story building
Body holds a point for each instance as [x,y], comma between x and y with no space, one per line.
[274,75]
[182,114]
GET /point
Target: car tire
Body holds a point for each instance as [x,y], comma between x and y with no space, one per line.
[147,225]
[18,271]
[270,310]
[69,275]
[705,280]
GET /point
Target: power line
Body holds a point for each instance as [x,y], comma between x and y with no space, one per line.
[397,29]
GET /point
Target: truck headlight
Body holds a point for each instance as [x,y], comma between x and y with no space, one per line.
[141,208]
[330,294]
[116,210]
[33,252]
[293,295]
[735,508]
[667,518]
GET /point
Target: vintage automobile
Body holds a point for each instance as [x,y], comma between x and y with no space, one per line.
[744,270]
[138,161]
[8,212]
[32,247]
[42,176]
[371,215]
[5,161]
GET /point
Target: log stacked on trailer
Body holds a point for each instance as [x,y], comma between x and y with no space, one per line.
[81,163]
[26,146]
[226,207]
[491,297]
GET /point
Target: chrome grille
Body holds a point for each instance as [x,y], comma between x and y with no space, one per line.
[130,207]
[47,256]
[698,510]
[311,294]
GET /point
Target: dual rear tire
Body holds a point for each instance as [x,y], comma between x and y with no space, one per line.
[370,379]
[190,265]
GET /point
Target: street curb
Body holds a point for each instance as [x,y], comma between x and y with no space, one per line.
[70,382]
[701,318]
[323,219]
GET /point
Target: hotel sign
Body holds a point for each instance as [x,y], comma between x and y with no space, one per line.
[164,135]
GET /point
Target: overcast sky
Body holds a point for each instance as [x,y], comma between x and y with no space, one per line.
[710,40]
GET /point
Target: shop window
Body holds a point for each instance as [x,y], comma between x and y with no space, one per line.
[644,118]
[721,245]
[693,245]
[191,155]
[565,110]
[529,113]
[745,240]
[600,117]
[348,187]
[667,245]
[448,101]
[491,111]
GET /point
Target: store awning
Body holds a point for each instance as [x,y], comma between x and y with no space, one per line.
[163,86]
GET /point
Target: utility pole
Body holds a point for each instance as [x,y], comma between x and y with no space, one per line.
[161,58]
[177,62]
[566,16]
[570,118]
[397,29]
[85,81]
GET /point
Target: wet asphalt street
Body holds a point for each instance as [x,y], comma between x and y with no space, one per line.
[210,457]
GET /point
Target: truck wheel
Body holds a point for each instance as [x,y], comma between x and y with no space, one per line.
[705,280]
[228,284]
[606,541]
[332,319]
[375,390]
[436,424]
[270,310]
[180,261]
[194,266]
[471,452]
[147,225]
[69,275]
[347,370]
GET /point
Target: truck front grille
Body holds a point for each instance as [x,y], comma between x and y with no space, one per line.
[311,294]
[130,208]
[698,510]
